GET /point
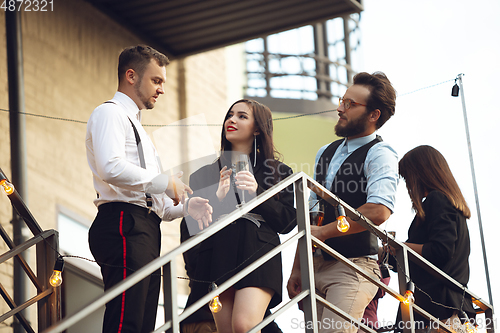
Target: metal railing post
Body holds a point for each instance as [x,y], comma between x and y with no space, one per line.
[403,273]
[170,296]
[305,242]
[304,246]
[491,323]
[49,309]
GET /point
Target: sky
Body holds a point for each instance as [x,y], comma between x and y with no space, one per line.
[420,44]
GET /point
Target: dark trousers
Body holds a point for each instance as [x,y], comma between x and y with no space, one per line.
[123,238]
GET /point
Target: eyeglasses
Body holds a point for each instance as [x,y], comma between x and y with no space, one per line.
[348,103]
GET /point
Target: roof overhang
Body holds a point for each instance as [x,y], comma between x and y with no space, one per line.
[184,27]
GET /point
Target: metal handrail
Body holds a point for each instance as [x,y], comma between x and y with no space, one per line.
[26,245]
[22,210]
[170,256]
[47,297]
[402,251]
[46,294]
[21,259]
[305,241]
[398,245]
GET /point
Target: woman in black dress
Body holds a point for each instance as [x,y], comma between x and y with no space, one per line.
[247,131]
[438,232]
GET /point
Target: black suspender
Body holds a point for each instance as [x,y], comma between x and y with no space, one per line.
[140,150]
[139,145]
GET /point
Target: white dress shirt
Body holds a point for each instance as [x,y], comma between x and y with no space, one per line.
[114,159]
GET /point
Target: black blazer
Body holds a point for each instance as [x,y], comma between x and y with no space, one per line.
[446,244]
[239,244]
[278,211]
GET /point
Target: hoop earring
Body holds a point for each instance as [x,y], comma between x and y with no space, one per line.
[254,150]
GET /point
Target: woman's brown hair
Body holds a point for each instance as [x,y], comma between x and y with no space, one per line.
[266,151]
[425,169]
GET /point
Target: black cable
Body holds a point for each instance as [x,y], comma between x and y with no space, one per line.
[218,125]
[47,117]
[428,87]
[170,125]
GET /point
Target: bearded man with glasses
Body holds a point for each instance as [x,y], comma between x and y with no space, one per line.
[361,170]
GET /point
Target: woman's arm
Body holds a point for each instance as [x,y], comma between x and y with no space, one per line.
[415,247]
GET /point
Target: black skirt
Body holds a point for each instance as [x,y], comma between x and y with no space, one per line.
[234,248]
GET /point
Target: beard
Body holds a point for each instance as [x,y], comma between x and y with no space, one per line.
[148,104]
[352,127]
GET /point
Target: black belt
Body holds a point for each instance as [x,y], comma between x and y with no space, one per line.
[128,207]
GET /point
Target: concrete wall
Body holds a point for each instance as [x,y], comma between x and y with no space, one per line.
[70,65]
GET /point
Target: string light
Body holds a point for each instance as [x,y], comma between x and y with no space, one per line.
[7,187]
[469,327]
[384,270]
[215,305]
[217,125]
[342,224]
[56,277]
[409,298]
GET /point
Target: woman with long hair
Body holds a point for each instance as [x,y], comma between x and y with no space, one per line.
[247,134]
[438,233]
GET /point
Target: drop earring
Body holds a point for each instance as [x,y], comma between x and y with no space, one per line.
[254,150]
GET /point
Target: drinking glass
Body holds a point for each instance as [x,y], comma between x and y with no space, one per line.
[316,212]
[242,165]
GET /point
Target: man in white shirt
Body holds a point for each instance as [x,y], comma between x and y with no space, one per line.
[133,196]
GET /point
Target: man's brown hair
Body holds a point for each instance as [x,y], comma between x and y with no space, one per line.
[382,94]
[138,58]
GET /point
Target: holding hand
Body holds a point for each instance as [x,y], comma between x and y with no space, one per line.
[176,189]
[294,285]
[224,183]
[199,209]
[245,180]
[318,232]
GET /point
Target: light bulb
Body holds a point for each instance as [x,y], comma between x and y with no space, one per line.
[8,187]
[342,224]
[469,328]
[215,304]
[409,298]
[56,277]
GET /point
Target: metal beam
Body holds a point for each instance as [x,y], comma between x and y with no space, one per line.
[10,302]
[19,257]
[17,139]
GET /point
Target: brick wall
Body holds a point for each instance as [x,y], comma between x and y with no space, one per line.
[70,61]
